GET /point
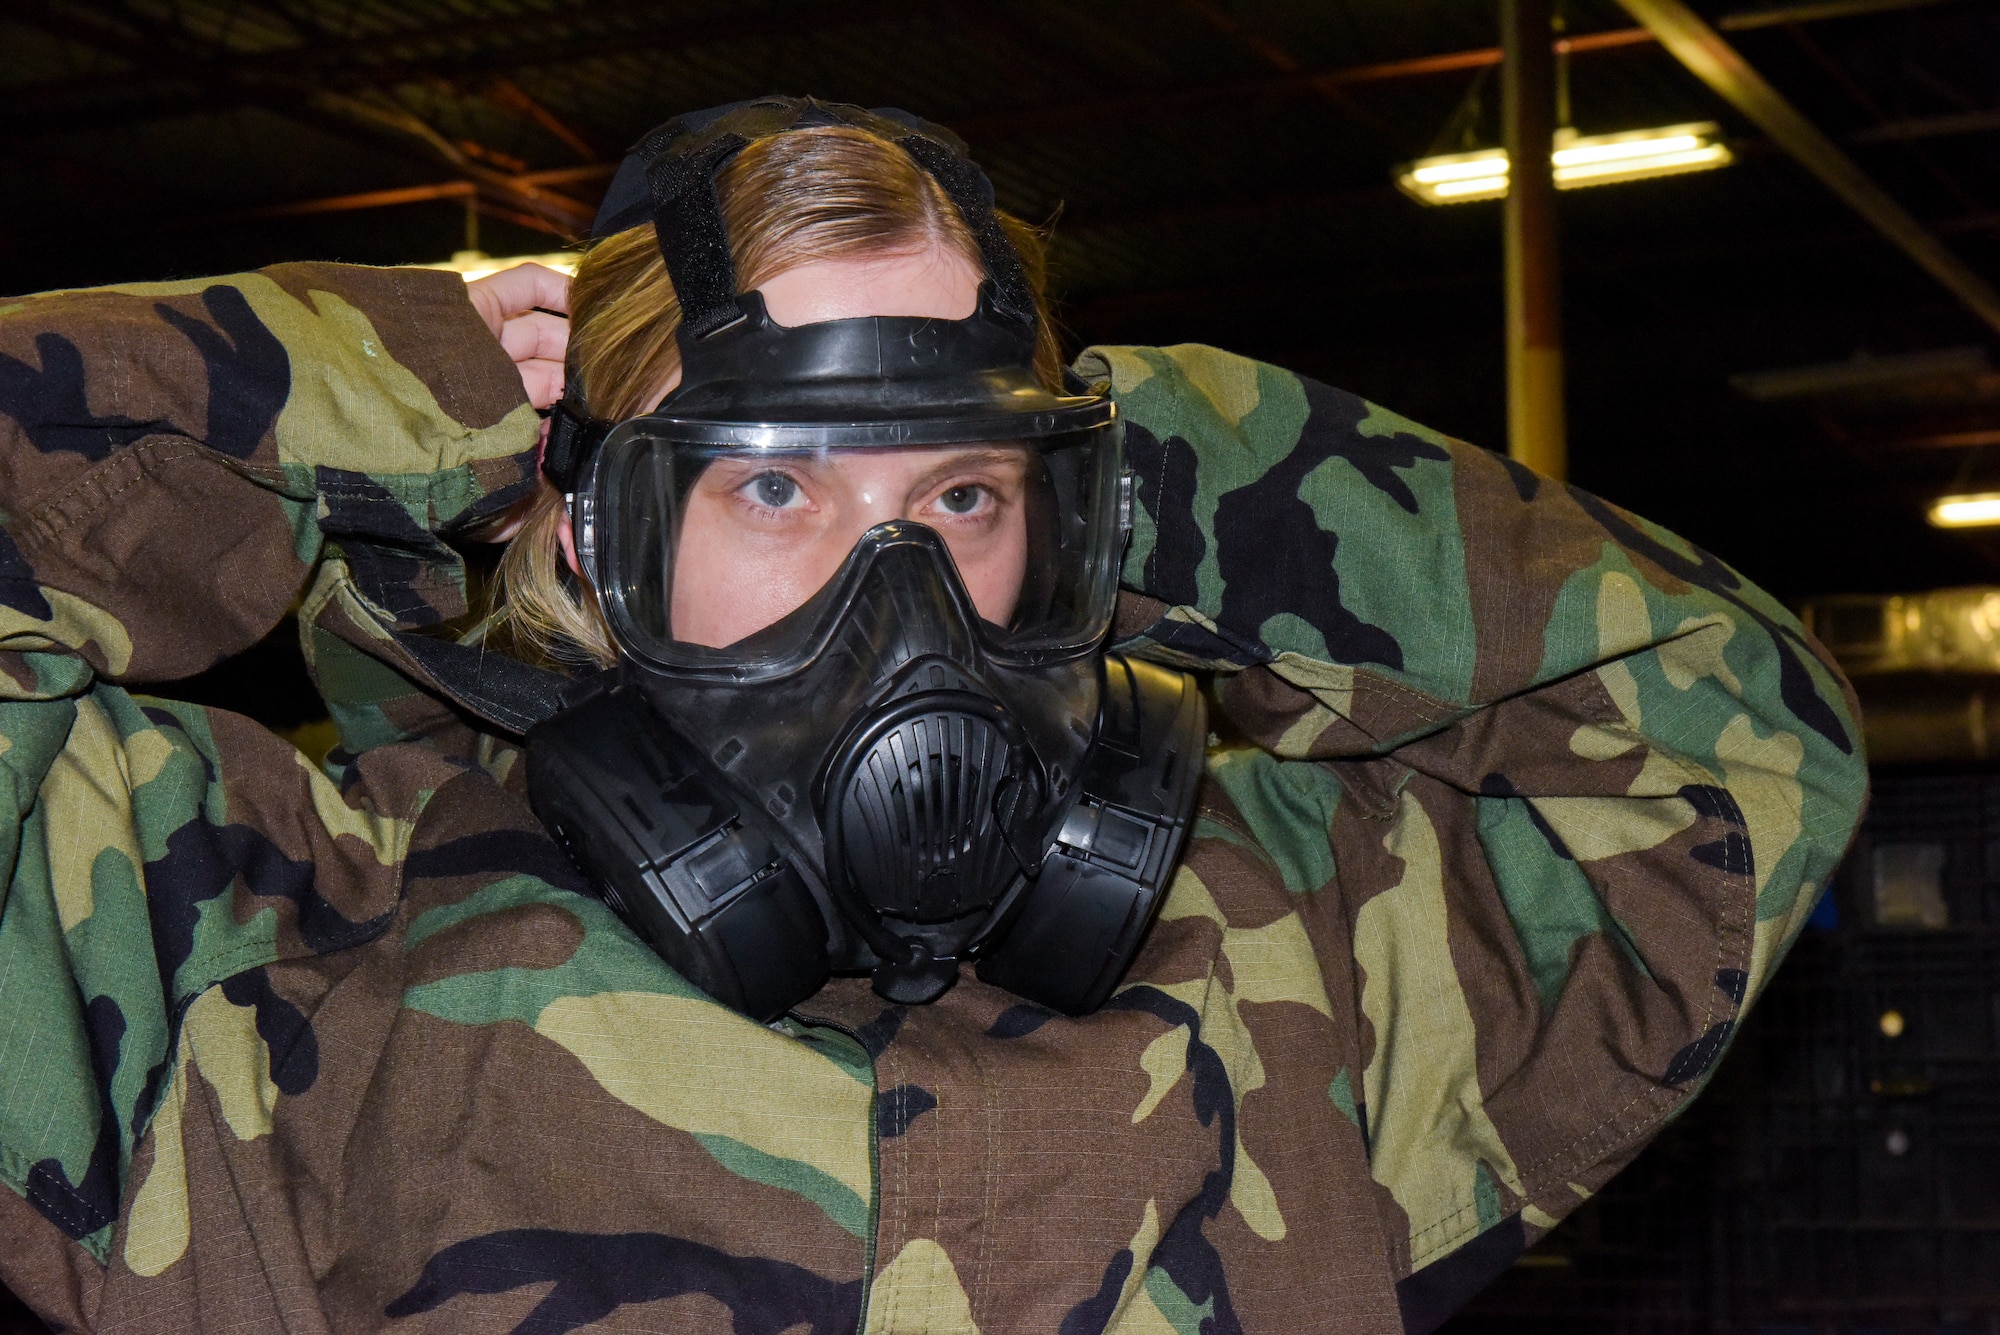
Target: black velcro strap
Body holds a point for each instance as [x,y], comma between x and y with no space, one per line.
[504,691]
[681,158]
[573,437]
[969,189]
[693,241]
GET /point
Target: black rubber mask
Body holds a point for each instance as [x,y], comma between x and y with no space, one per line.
[926,761]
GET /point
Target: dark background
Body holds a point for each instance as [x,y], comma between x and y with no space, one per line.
[1220,171]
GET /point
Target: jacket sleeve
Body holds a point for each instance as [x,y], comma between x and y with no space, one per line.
[1557,787]
[175,457]
[174,461]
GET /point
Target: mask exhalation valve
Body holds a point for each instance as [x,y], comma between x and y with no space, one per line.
[923,810]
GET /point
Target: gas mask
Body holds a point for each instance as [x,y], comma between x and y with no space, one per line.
[892,752]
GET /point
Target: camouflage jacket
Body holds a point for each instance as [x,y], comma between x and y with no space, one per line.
[1516,801]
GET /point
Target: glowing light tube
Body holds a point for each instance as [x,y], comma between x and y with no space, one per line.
[1966,511]
[1602,159]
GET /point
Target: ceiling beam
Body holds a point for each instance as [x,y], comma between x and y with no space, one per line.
[367,199]
[450,50]
[1320,83]
[1077,224]
[1928,127]
[618,26]
[1979,438]
[1277,57]
[148,43]
[1710,58]
[1815,11]
[394,196]
[1332,83]
[1111,314]
[509,96]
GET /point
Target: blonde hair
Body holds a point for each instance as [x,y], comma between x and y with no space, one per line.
[791,199]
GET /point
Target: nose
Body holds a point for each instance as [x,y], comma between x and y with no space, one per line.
[876,502]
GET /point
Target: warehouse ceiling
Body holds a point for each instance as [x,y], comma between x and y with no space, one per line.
[1749,362]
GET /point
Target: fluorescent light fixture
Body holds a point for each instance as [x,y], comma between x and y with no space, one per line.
[1599,159]
[1479,187]
[475,264]
[1460,166]
[1966,511]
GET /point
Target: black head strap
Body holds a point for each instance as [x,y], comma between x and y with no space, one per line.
[971,193]
[574,436]
[688,221]
[679,161]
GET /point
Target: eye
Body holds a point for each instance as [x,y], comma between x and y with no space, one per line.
[775,490]
[963,499]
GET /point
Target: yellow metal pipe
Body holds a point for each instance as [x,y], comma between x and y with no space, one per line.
[1535,426]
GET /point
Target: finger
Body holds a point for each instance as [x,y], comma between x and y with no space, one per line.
[536,334]
[521,288]
[543,379]
[547,288]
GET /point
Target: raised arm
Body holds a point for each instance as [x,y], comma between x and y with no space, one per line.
[1578,782]
[174,460]
[174,456]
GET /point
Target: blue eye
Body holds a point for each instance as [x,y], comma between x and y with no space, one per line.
[960,500]
[774,489]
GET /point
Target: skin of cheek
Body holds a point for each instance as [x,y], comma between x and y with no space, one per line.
[995,579]
[728,585]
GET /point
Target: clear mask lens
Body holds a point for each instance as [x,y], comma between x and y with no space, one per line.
[705,554]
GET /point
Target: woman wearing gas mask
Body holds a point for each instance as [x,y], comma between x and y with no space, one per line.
[1163,846]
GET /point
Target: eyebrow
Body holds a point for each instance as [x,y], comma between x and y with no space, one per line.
[976,458]
[1005,457]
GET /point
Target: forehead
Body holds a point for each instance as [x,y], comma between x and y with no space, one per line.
[933,282]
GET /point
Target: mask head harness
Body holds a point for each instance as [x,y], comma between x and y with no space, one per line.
[882,779]
[669,179]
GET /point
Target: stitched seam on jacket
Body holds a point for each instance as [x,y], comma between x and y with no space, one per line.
[1725,925]
[141,460]
[1544,1170]
[454,378]
[16,1166]
[137,461]
[1650,1090]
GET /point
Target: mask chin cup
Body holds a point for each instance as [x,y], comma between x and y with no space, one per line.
[917,978]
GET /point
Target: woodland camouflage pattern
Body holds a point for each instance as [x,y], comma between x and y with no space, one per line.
[1518,801]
